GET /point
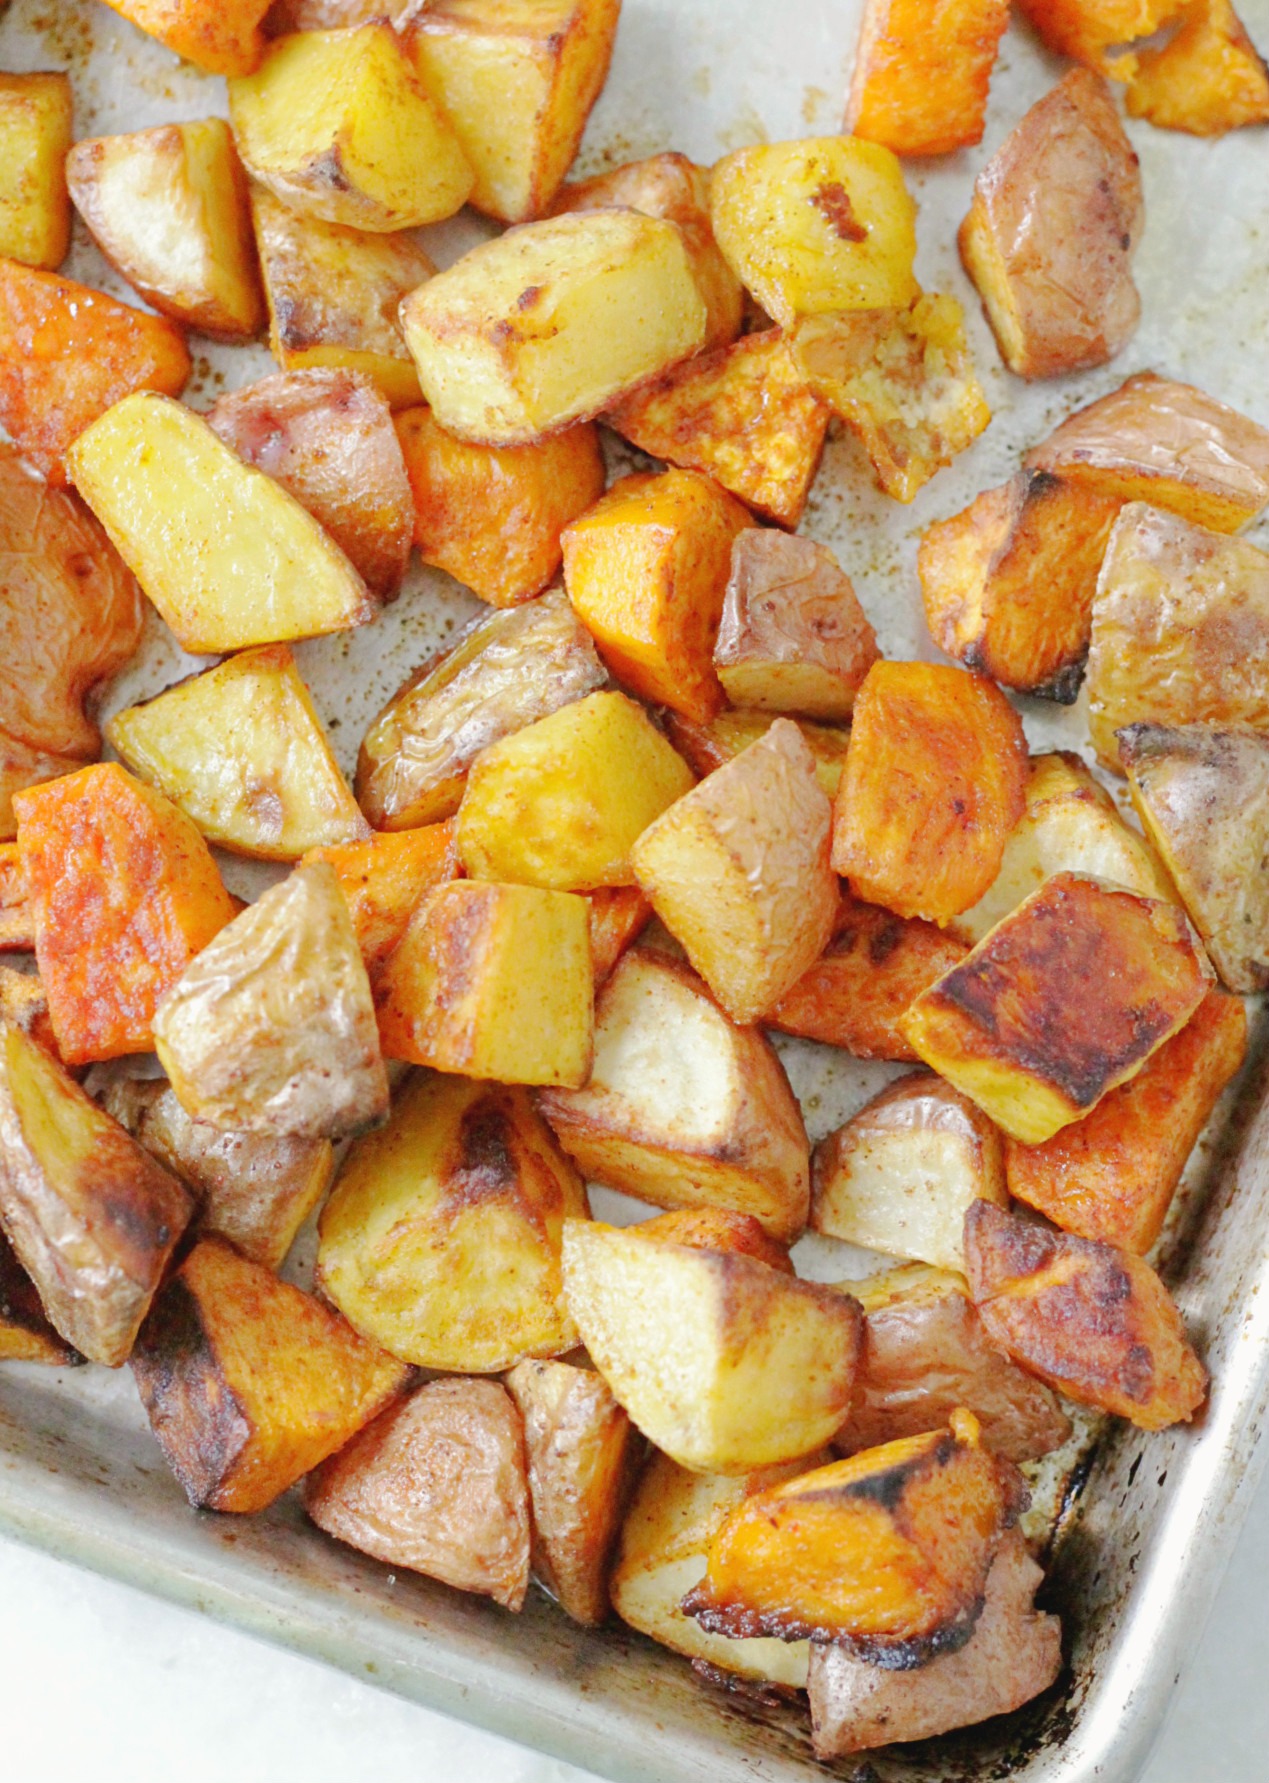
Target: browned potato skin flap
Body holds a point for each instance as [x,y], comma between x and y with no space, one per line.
[718,1229]
[25,1333]
[1092,1320]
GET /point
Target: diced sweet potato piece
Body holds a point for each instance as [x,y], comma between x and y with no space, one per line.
[326,436]
[248,1382]
[437,1485]
[1050,236]
[491,516]
[124,893]
[35,133]
[1000,1024]
[25,1333]
[17,919]
[1207,79]
[718,1229]
[707,746]
[383,880]
[743,414]
[218,36]
[921,75]
[1092,1320]
[1009,582]
[1089,30]
[935,779]
[618,914]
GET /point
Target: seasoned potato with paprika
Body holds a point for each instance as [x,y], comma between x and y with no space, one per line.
[218,36]
[36,131]
[921,76]
[383,879]
[1207,78]
[25,1333]
[705,747]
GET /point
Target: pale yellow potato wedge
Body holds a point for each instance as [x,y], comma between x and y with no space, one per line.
[35,134]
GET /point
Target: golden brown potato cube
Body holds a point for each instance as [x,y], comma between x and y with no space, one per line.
[492,516]
[1051,233]
[1089,30]
[921,76]
[683,1108]
[327,437]
[92,1217]
[337,125]
[719,1229]
[886,1552]
[705,747]
[516,80]
[17,919]
[1092,1320]
[383,879]
[1180,630]
[168,207]
[935,779]
[333,295]
[441,1240]
[1014,1652]
[248,1382]
[218,36]
[504,672]
[437,1485]
[744,415]
[553,322]
[1001,1025]
[926,1352]
[35,135]
[579,1448]
[645,569]
[903,381]
[562,802]
[671,186]
[1207,79]
[1113,1174]
[899,1175]
[25,1333]
[723,1362]
[618,914]
[793,636]
[1009,582]
[493,981]
[271,1029]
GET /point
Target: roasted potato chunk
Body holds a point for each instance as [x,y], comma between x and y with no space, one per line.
[1009,583]
[683,1108]
[1050,236]
[17,919]
[562,802]
[25,1333]
[271,1029]
[1180,630]
[793,636]
[935,779]
[218,36]
[92,1217]
[646,568]
[618,914]
[1113,1174]
[926,1352]
[327,437]
[168,207]
[1207,79]
[384,878]
[336,125]
[1092,1320]
[707,746]
[738,872]
[1014,1652]
[995,1025]
[553,322]
[35,135]
[248,1382]
[898,1176]
[492,516]
[723,1362]
[744,415]
[493,981]
[505,672]
[579,1448]
[516,79]
[441,1240]
[921,77]
[437,1485]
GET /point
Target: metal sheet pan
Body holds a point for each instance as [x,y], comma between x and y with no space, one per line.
[1145,1537]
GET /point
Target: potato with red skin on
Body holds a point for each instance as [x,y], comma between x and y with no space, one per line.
[705,747]
[1207,79]
[921,73]
[25,1333]
[1092,1320]
[383,880]
[935,779]
[218,36]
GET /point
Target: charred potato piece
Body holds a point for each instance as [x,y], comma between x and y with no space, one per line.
[723,1362]
[17,919]
[934,781]
[1089,30]
[683,1108]
[504,672]
[272,1029]
[25,1333]
[921,77]
[218,36]
[1049,239]
[1207,79]
[618,914]
[35,134]
[249,1383]
[92,1217]
[553,322]
[1092,1320]
[384,878]
[437,1485]
[707,746]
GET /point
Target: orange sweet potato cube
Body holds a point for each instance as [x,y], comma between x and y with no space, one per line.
[646,570]
[124,892]
[1089,30]
[67,354]
[219,36]
[491,516]
[384,878]
[922,73]
[1209,78]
